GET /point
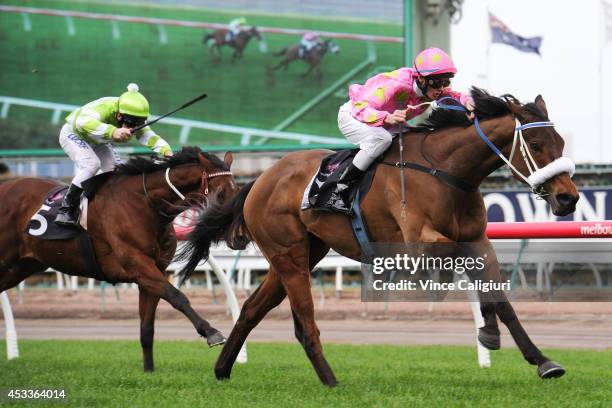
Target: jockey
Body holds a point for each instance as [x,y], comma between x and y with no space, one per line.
[387,100]
[309,40]
[234,28]
[87,135]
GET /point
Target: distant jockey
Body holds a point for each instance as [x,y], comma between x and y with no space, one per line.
[234,28]
[387,100]
[87,138]
[309,40]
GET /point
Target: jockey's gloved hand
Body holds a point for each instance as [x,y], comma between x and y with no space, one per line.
[121,134]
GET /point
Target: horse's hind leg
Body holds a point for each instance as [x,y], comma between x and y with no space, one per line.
[153,281]
[267,296]
[295,275]
[147,305]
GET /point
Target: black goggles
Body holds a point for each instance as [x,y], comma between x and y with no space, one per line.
[437,83]
[133,121]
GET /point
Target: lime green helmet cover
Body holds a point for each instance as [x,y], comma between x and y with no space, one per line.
[133,103]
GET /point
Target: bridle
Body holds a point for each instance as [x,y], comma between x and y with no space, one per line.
[203,184]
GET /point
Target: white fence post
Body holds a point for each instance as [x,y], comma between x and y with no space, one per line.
[232,301]
[12,348]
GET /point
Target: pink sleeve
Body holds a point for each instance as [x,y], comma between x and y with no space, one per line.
[368,101]
[460,96]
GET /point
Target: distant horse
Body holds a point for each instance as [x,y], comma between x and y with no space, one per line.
[218,38]
[437,210]
[130,223]
[313,57]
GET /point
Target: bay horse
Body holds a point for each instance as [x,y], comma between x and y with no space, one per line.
[293,241]
[130,224]
[313,58]
[217,39]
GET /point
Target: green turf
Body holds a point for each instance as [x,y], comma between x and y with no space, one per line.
[98,373]
[48,64]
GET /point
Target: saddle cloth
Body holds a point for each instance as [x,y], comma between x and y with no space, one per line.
[42,224]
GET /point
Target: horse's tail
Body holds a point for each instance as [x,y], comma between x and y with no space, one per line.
[207,39]
[281,52]
[218,222]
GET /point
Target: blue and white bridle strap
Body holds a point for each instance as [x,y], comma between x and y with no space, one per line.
[537,176]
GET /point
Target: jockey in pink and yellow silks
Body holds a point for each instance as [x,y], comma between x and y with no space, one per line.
[387,100]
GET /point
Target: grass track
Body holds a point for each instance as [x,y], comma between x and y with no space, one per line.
[98,373]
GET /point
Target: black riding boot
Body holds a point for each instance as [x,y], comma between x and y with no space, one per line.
[341,199]
[69,211]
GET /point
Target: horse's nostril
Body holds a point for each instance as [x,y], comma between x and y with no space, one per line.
[566,200]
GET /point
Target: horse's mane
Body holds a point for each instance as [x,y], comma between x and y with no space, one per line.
[486,107]
[139,164]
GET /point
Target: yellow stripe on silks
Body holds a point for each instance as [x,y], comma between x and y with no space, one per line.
[165,149]
[401,96]
[391,74]
[373,117]
[360,104]
[380,93]
[152,141]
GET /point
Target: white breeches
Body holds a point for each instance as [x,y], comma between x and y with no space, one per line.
[372,140]
[88,158]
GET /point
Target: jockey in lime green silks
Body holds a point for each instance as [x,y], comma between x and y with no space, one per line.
[87,138]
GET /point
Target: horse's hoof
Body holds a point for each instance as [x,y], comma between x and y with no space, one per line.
[490,341]
[222,374]
[216,339]
[550,369]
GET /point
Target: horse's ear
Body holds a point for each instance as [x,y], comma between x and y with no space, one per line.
[228,159]
[514,107]
[539,101]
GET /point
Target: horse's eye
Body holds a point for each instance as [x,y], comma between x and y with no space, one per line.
[535,147]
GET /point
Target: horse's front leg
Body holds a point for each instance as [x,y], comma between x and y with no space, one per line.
[152,280]
[147,305]
[497,300]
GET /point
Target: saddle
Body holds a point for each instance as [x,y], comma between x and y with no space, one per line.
[319,191]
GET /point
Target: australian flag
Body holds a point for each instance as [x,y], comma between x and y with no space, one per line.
[500,33]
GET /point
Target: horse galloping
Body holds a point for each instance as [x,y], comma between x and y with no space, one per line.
[294,241]
[218,38]
[130,223]
[313,58]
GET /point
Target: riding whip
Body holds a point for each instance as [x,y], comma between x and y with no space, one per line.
[185,105]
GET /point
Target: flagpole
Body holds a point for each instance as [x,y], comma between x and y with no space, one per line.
[488,55]
[601,83]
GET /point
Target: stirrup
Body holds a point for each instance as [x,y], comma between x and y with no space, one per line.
[66,219]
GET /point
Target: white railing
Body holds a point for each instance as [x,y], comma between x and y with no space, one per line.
[160,22]
[185,124]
